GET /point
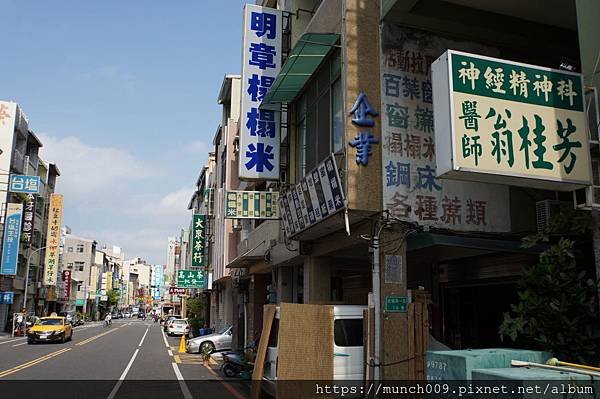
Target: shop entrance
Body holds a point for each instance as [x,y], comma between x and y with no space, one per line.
[474,313]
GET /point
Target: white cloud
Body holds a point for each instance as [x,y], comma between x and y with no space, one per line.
[197,147]
[87,170]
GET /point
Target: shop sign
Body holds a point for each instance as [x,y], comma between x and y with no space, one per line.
[363,114]
[12,237]
[103,298]
[190,279]
[198,240]
[24,184]
[66,278]
[6,297]
[412,190]
[177,291]
[252,205]
[79,302]
[261,62]
[28,216]
[396,304]
[53,240]
[318,196]
[509,123]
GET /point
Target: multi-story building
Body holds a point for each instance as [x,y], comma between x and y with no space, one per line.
[79,255]
[20,156]
[136,277]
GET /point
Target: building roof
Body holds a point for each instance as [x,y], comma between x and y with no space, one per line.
[35,138]
[225,92]
[53,169]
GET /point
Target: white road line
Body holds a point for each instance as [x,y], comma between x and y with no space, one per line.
[170,352]
[165,338]
[142,340]
[12,340]
[118,384]
[23,343]
[184,388]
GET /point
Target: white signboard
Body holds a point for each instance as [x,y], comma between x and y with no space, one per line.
[412,190]
[511,123]
[261,62]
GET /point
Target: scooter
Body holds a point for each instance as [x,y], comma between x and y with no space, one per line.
[234,364]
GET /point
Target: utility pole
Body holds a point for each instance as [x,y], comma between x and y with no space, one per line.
[27,276]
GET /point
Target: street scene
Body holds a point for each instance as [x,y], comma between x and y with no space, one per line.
[300,198]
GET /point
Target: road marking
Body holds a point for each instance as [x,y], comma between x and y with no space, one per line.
[96,337]
[142,340]
[33,362]
[170,352]
[231,389]
[184,388]
[177,359]
[23,343]
[118,384]
[12,340]
[165,338]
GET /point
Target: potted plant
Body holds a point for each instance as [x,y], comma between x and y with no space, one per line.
[205,353]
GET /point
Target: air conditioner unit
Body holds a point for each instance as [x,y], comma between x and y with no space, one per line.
[546,210]
[589,197]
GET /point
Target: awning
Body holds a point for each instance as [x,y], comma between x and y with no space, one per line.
[427,240]
[249,257]
[305,58]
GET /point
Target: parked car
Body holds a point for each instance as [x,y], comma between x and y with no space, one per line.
[166,321]
[48,329]
[126,314]
[347,346]
[178,327]
[210,343]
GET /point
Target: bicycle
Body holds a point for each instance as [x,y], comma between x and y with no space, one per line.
[107,323]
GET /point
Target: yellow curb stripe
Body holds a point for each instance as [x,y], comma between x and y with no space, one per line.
[33,362]
[177,359]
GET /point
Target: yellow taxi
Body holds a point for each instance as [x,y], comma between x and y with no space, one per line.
[49,329]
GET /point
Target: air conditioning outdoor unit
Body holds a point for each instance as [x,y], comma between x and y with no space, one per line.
[589,197]
[546,210]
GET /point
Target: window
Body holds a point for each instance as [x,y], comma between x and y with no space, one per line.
[69,265]
[70,249]
[79,287]
[79,266]
[80,248]
[319,116]
[348,332]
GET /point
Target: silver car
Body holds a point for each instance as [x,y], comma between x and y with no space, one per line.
[210,343]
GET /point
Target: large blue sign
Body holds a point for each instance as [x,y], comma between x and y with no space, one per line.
[12,237]
[24,184]
[6,297]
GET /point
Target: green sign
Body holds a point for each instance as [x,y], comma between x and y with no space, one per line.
[79,302]
[252,205]
[190,279]
[198,240]
[396,304]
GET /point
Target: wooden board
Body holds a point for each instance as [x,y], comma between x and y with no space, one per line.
[259,364]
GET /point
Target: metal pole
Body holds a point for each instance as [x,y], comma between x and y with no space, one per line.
[27,277]
[377,306]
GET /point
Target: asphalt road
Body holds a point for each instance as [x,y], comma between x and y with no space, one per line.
[131,359]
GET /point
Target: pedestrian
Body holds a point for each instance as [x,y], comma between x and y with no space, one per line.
[108,320]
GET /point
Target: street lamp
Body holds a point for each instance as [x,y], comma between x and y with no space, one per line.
[27,278]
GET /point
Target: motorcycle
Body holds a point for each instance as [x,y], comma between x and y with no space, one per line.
[235,364]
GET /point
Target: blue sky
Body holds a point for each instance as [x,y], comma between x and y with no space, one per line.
[123,96]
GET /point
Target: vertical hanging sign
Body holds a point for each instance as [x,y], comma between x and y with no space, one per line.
[66,278]
[28,215]
[198,240]
[261,62]
[53,239]
[12,237]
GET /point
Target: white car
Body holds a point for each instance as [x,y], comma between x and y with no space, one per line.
[178,327]
[209,343]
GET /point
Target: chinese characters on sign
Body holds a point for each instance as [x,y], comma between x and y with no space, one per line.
[259,128]
[363,118]
[252,205]
[198,240]
[412,190]
[55,210]
[6,297]
[520,123]
[28,215]
[190,279]
[12,237]
[24,184]
[318,196]
[66,278]
[396,304]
